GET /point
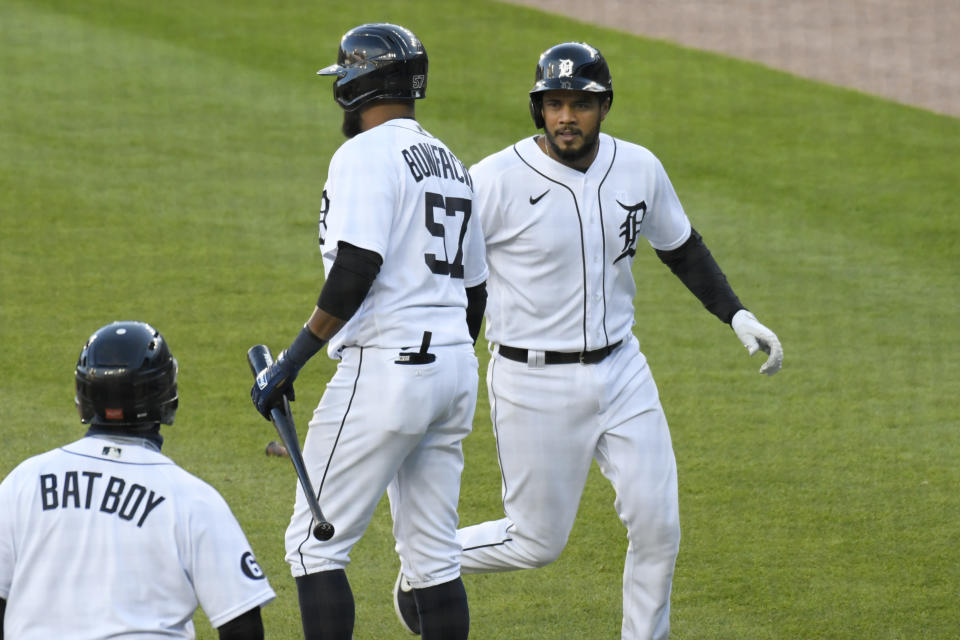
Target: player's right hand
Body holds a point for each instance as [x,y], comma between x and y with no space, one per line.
[272,384]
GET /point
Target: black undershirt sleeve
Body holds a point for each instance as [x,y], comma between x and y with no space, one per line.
[349,280]
[476,304]
[693,263]
[246,626]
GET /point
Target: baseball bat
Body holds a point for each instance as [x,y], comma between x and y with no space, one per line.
[259,358]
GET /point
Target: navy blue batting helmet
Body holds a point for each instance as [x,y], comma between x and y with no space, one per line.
[126,378]
[378,61]
[575,66]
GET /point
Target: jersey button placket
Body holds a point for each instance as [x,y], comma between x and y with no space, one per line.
[593,242]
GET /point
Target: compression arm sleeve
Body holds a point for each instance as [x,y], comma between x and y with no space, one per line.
[476,304]
[246,626]
[693,263]
[349,280]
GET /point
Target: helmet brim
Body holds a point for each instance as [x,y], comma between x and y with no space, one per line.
[332,70]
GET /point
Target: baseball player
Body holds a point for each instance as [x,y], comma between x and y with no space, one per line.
[400,309]
[108,538]
[562,214]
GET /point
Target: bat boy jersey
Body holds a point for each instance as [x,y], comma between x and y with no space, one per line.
[102,538]
[396,190]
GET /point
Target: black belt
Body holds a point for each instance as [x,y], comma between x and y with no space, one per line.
[561,357]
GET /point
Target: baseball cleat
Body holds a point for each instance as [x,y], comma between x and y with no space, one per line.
[405,604]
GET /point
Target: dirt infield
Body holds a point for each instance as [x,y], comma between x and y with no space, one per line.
[905,50]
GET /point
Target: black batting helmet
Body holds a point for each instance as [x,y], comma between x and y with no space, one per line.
[569,65]
[378,61]
[126,378]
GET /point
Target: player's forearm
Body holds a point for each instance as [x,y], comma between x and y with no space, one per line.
[246,626]
[693,263]
[323,325]
[476,305]
[346,286]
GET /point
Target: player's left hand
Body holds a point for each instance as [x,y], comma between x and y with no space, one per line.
[272,384]
[756,337]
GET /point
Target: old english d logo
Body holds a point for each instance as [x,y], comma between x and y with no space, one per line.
[629,230]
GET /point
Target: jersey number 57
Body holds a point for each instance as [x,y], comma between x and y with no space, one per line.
[451,207]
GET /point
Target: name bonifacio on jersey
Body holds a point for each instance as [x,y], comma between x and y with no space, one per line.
[426,160]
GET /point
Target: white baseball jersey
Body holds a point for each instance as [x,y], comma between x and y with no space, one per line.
[396,190]
[560,246]
[545,292]
[386,424]
[106,538]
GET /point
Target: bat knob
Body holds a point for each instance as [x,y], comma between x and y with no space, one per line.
[323,531]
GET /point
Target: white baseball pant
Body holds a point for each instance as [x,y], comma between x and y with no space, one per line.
[550,421]
[399,428]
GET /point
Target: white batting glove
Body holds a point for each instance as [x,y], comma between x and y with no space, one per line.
[756,337]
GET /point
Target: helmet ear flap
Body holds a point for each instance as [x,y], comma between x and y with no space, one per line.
[536,110]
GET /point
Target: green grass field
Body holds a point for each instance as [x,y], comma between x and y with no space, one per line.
[164,162]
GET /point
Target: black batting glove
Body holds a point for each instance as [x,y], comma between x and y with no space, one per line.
[273,383]
[276,381]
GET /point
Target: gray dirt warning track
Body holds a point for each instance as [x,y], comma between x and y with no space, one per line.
[904,50]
